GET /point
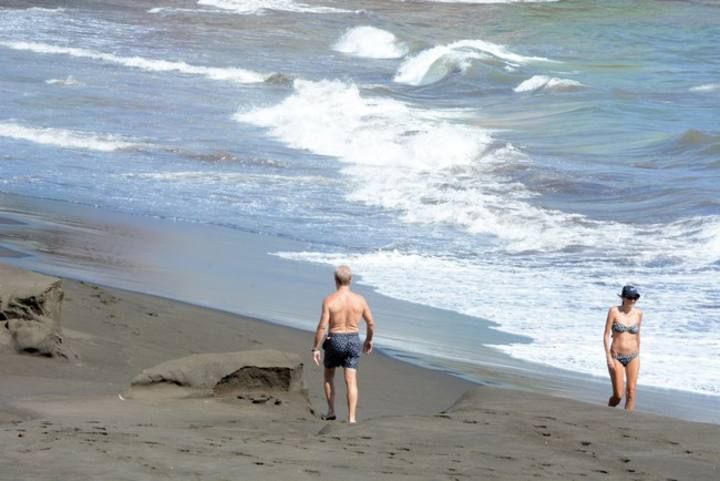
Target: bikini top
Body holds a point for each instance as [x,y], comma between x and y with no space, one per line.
[617,327]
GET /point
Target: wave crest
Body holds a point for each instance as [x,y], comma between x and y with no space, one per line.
[67,81]
[258,7]
[370,42]
[544,82]
[214,73]
[705,88]
[66,138]
[436,63]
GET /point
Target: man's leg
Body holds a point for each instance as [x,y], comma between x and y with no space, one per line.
[352,393]
[329,388]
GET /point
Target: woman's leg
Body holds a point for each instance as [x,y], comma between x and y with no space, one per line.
[616,378]
[631,372]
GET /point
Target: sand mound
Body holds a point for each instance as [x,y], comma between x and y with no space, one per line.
[224,374]
[30,308]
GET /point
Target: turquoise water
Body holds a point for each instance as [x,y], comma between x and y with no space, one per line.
[514,162]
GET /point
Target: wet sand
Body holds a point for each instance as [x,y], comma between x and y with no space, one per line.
[233,271]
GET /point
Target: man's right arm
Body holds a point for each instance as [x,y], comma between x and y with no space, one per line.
[320,331]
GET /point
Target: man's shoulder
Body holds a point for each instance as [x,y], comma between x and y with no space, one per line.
[359,298]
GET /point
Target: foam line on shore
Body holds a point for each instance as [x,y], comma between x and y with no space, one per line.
[258,7]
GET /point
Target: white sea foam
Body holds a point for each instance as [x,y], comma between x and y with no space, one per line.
[215,73]
[706,88]
[69,139]
[45,10]
[507,293]
[181,10]
[544,82]
[67,81]
[403,159]
[254,7]
[229,179]
[370,42]
[482,2]
[332,118]
[436,63]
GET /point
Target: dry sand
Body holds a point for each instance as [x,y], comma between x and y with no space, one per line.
[65,420]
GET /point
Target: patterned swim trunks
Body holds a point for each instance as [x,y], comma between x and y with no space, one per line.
[342,350]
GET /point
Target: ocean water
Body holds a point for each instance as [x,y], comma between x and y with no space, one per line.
[513,161]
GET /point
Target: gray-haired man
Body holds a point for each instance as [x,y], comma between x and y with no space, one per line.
[341,314]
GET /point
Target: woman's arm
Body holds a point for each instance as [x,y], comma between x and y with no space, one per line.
[606,337]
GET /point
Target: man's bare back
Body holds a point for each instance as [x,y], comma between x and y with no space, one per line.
[345,309]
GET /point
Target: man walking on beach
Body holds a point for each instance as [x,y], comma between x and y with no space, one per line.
[341,314]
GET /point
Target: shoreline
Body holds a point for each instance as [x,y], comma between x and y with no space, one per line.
[68,419]
[79,419]
[102,247]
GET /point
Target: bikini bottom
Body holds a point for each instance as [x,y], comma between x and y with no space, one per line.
[625,359]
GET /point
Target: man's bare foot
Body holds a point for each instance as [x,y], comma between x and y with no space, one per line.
[328,417]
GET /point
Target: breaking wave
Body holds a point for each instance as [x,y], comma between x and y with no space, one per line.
[69,139]
[436,63]
[370,42]
[544,82]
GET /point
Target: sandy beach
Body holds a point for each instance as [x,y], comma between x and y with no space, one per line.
[68,419]
[179,181]
[78,418]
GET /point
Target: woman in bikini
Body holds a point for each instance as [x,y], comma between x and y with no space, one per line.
[623,350]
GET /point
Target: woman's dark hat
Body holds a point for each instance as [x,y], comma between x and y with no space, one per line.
[629,292]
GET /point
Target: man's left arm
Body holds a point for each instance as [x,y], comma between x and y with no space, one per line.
[370,330]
